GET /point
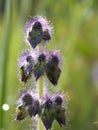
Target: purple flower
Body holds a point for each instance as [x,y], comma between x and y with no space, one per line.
[38,29]
[26,66]
[57,57]
[34,109]
[40,66]
[47,114]
[23,58]
[28,104]
[27,99]
[59,109]
[53,70]
[27,96]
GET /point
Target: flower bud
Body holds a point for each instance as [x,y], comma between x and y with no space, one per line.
[38,29]
[26,64]
[47,114]
[53,70]
[40,66]
[34,109]
[20,113]
[27,100]
[59,110]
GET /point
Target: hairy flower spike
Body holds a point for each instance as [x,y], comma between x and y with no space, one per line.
[37,30]
[36,63]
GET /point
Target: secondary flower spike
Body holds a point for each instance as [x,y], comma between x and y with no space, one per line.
[38,29]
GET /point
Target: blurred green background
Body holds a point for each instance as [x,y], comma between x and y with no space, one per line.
[76,36]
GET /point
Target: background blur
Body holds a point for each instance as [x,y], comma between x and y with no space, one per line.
[76,36]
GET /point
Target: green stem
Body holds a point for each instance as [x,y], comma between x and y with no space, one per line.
[40,94]
[5,42]
[40,86]
[40,125]
[40,91]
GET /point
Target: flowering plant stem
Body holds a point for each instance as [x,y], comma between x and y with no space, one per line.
[40,94]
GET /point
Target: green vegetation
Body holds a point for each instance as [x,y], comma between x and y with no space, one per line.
[76,29]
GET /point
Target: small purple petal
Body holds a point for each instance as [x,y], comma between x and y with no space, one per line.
[57,55]
[48,123]
[27,92]
[23,58]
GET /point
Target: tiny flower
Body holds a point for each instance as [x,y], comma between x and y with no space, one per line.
[47,114]
[34,109]
[37,30]
[40,66]
[58,100]
[30,103]
[46,35]
[57,57]
[59,110]
[35,35]
[42,58]
[20,113]
[53,70]
[26,63]
[23,57]
[27,99]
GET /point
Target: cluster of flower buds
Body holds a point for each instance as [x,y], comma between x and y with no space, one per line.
[44,63]
[36,63]
[53,109]
[28,105]
[49,108]
[38,30]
